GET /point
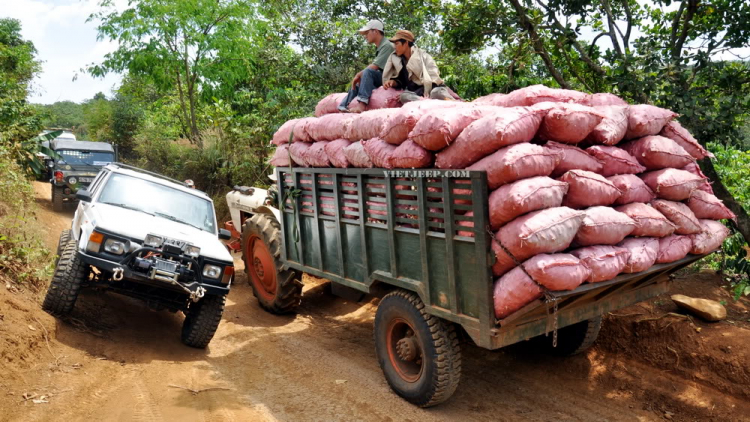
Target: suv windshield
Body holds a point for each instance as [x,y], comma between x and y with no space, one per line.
[89,158]
[159,200]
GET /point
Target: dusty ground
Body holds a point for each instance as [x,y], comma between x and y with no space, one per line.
[116,360]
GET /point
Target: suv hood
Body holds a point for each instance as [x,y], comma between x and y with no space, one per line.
[136,225]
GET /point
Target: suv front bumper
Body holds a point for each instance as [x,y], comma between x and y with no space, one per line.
[133,276]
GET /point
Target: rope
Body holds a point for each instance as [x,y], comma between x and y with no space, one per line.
[548,297]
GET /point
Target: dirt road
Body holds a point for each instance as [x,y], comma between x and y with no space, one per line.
[116,360]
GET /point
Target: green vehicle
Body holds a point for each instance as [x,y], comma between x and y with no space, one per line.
[400,235]
[76,168]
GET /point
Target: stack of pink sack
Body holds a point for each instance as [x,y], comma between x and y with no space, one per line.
[583,187]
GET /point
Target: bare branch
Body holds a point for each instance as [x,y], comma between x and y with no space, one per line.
[676,23]
[629,15]
[692,8]
[612,30]
[596,38]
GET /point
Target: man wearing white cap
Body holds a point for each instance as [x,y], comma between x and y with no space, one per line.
[372,76]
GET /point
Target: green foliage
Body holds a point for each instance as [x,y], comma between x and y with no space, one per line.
[66,115]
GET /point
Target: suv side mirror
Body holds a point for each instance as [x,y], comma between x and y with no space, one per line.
[225,234]
[83,195]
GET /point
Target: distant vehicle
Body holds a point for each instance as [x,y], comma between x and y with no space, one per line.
[146,236]
[76,168]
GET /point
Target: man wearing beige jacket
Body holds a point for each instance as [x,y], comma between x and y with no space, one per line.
[412,69]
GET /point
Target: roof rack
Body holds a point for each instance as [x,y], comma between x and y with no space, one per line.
[150,173]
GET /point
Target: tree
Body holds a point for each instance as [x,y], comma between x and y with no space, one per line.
[671,55]
[175,43]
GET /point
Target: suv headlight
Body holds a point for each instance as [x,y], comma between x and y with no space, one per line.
[72,180]
[153,240]
[211,271]
[115,246]
[193,251]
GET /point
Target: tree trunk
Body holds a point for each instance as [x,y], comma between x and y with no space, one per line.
[721,192]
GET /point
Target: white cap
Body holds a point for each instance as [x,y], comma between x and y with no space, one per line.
[373,24]
[272,176]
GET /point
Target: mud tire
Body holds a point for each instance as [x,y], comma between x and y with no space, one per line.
[436,339]
[278,291]
[573,339]
[201,321]
[70,274]
[57,199]
[65,237]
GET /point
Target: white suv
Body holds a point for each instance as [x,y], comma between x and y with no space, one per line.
[150,237]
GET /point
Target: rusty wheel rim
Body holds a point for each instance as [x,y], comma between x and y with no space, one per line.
[404,351]
[261,268]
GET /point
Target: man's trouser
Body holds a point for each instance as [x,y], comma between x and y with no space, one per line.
[437,93]
[370,80]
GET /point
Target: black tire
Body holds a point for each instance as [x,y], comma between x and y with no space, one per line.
[425,376]
[201,321]
[573,339]
[65,237]
[70,274]
[57,199]
[278,291]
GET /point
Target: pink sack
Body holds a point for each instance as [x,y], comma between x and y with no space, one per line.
[633,189]
[603,226]
[508,126]
[648,221]
[603,99]
[658,152]
[299,130]
[696,170]
[356,155]
[710,238]
[516,162]
[643,253]
[297,151]
[707,206]
[555,272]
[523,196]
[335,152]
[539,93]
[384,98]
[439,128]
[500,100]
[569,123]
[613,126]
[379,151]
[587,189]
[329,104]
[678,214]
[282,136]
[644,120]
[674,131]
[573,158]
[329,127]
[673,248]
[546,231]
[615,160]
[369,124]
[672,184]
[280,156]
[396,130]
[316,156]
[604,262]
[409,155]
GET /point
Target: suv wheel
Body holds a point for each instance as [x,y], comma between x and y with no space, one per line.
[278,291]
[57,198]
[64,239]
[70,273]
[201,321]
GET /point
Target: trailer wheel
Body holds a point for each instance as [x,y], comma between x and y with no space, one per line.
[70,273]
[418,353]
[573,339]
[57,199]
[65,237]
[278,291]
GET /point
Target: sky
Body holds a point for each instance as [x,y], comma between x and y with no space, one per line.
[65,43]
